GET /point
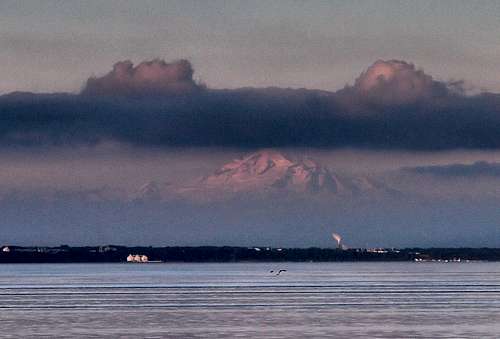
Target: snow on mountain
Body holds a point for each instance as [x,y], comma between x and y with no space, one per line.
[270,170]
[258,170]
[264,172]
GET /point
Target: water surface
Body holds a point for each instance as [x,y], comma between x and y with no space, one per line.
[341,300]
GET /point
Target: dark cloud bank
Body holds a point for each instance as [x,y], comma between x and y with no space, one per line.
[392,105]
[474,170]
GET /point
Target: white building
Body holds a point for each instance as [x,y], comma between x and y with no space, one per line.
[137,258]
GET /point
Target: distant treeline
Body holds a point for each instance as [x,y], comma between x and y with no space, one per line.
[67,254]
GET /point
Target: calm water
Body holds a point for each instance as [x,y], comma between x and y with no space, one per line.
[341,300]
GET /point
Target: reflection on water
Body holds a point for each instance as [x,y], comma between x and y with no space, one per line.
[341,300]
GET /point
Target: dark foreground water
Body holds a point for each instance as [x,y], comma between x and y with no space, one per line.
[340,300]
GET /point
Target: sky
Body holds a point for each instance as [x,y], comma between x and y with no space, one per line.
[117,118]
[55,45]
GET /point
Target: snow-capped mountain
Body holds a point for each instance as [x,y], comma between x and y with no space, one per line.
[272,171]
[266,173]
[269,169]
[261,173]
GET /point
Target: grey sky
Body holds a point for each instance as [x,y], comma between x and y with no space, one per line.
[56,45]
[48,46]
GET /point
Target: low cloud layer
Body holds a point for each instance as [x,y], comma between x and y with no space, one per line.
[476,169]
[149,78]
[392,105]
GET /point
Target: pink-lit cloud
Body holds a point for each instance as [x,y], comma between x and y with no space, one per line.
[155,77]
[395,81]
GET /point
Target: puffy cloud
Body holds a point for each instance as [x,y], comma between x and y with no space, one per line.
[149,78]
[396,81]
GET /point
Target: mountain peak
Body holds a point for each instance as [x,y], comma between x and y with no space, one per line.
[261,161]
[269,169]
[257,170]
[262,172]
[150,191]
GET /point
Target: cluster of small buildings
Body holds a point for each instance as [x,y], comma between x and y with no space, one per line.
[258,249]
[382,250]
[440,260]
[137,258]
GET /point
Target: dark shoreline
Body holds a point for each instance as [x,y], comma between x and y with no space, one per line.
[111,253]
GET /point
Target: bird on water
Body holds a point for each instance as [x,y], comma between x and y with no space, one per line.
[277,273]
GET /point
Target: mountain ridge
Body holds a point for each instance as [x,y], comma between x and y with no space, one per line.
[269,171]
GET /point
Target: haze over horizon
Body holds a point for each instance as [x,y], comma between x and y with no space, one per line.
[225,124]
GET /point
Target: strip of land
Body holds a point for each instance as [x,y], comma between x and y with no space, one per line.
[112,253]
